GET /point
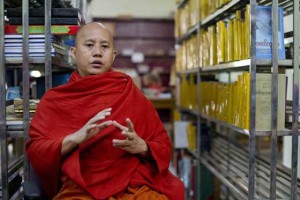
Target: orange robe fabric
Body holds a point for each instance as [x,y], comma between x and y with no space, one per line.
[70,190]
[96,166]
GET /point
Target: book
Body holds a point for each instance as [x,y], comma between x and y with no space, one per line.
[180,134]
[37,49]
[264,101]
[40,12]
[41,21]
[60,49]
[39,29]
[18,105]
[31,45]
[14,125]
[19,36]
[16,55]
[264,33]
[13,93]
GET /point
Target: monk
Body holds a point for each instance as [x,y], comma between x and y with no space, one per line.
[98,137]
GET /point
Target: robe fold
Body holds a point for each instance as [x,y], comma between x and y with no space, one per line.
[96,166]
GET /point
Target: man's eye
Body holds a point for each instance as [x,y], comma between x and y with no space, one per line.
[105,46]
[89,45]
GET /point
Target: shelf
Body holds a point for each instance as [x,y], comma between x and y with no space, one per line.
[57,62]
[286,132]
[286,4]
[9,102]
[187,110]
[15,165]
[245,64]
[19,60]
[223,179]
[189,71]
[15,134]
[168,103]
[188,151]
[225,124]
[182,3]
[15,168]
[223,12]
[38,61]
[192,153]
[230,164]
[246,174]
[190,32]
[35,4]
[217,15]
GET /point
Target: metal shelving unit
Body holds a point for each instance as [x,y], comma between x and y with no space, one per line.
[244,65]
[223,12]
[245,172]
[17,170]
[230,162]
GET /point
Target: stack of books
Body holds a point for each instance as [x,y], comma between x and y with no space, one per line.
[13,45]
[14,117]
[65,24]
[230,102]
[59,16]
[14,121]
[229,39]
[18,105]
[208,7]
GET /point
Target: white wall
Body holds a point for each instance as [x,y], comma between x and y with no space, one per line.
[134,8]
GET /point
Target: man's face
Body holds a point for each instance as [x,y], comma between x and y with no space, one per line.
[94,52]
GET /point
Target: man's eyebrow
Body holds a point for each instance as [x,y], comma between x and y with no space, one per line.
[89,40]
[102,42]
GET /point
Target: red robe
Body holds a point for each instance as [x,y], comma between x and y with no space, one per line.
[98,167]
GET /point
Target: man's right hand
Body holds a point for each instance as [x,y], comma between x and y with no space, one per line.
[90,129]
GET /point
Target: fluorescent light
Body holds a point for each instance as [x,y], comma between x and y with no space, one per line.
[35,73]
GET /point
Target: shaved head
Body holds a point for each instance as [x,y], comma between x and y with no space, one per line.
[89,25]
[94,50]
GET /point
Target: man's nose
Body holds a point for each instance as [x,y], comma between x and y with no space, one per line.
[97,51]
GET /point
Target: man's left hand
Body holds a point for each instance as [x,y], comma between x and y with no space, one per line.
[133,143]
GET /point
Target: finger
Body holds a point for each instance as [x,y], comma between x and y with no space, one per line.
[99,116]
[102,114]
[120,143]
[129,135]
[116,124]
[130,125]
[106,111]
[95,119]
[91,126]
[104,124]
[92,129]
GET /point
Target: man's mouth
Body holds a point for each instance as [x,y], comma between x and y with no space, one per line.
[97,64]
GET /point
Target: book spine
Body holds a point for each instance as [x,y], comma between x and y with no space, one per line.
[55,29]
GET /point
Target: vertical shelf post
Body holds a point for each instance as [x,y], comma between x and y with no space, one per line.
[251,177]
[48,62]
[295,131]
[199,171]
[274,104]
[25,70]
[4,154]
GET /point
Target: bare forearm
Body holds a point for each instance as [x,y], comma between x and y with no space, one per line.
[68,144]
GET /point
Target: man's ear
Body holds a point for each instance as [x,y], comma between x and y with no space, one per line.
[115,54]
[73,51]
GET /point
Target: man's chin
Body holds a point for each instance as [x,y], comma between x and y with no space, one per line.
[98,71]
